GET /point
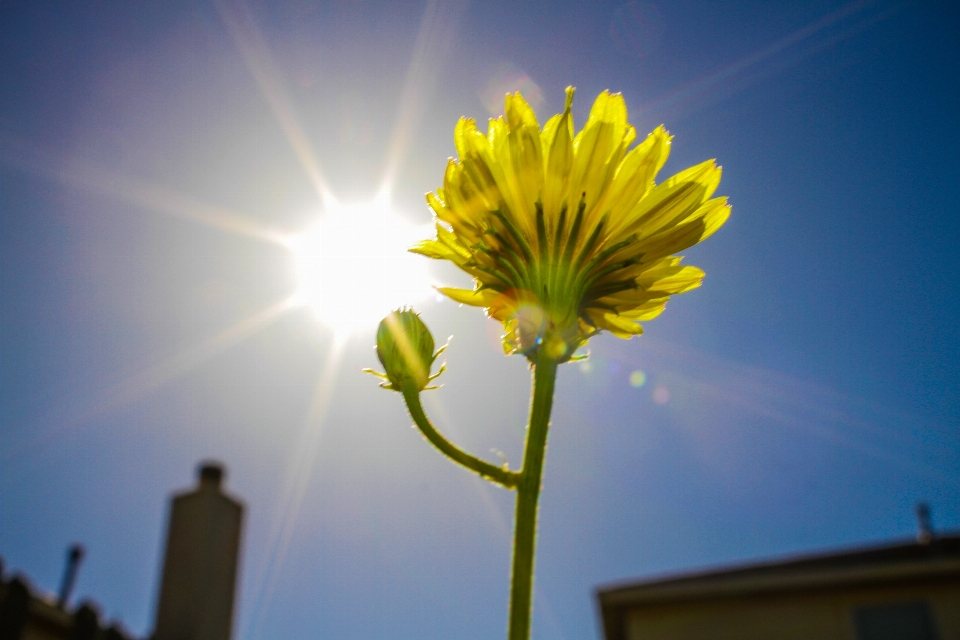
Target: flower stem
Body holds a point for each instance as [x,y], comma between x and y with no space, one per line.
[500,475]
[528,493]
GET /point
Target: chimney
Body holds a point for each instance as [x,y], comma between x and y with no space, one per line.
[200,562]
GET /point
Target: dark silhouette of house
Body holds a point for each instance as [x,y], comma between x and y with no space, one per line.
[197,584]
[903,591]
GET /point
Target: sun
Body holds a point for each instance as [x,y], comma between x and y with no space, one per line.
[353,267]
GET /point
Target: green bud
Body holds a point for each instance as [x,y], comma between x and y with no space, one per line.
[405,348]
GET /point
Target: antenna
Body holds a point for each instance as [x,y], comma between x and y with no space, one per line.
[74,557]
[924,525]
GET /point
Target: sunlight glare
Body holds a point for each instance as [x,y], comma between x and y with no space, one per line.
[353,266]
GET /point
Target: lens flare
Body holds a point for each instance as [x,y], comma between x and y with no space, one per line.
[661,395]
[637,378]
[353,266]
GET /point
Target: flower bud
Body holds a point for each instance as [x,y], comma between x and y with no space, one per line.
[405,348]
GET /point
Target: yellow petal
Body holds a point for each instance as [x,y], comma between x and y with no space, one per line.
[432,249]
[454,242]
[594,146]
[647,311]
[548,133]
[449,215]
[634,176]
[510,177]
[466,209]
[467,138]
[511,336]
[559,159]
[642,309]
[714,214]
[478,164]
[617,325]
[525,147]
[518,112]
[644,273]
[679,280]
[674,200]
[471,297]
[445,247]
[436,203]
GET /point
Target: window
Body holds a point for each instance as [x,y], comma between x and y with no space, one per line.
[895,621]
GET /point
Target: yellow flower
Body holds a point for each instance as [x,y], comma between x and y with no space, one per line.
[566,235]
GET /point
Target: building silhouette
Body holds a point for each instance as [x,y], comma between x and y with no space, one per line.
[197,583]
[200,563]
[903,591]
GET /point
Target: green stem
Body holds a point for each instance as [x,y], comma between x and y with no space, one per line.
[528,492]
[489,471]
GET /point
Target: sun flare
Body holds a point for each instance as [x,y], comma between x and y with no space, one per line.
[353,266]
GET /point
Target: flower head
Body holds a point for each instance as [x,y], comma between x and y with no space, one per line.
[566,235]
[405,349]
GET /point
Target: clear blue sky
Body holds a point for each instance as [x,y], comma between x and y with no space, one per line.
[803,399]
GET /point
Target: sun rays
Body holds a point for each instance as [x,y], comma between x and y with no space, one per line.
[726,395]
[91,177]
[371,229]
[772,60]
[354,245]
[305,456]
[434,40]
[240,23]
[133,387]
[353,266]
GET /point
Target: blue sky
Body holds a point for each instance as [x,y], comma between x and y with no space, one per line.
[805,398]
